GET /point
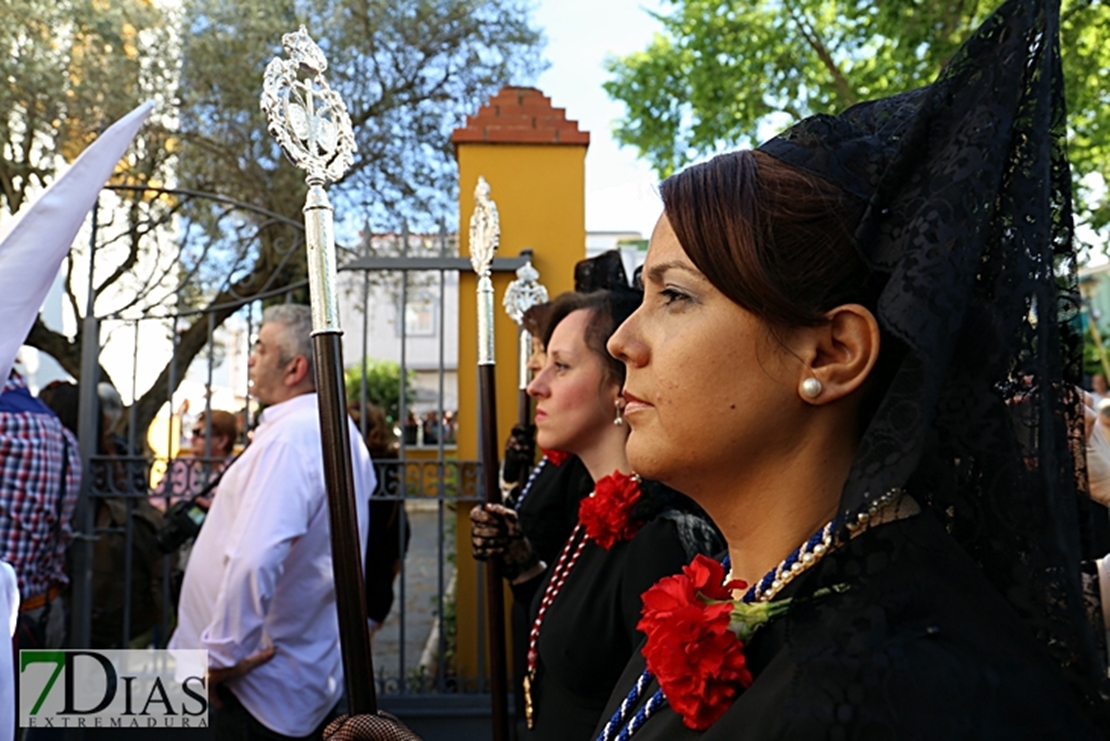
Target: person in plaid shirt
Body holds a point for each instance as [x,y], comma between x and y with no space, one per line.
[36,452]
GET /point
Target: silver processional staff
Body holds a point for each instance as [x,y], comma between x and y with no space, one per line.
[310,122]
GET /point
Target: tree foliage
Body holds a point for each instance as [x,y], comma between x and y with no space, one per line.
[727,73]
[71,69]
[383,386]
[409,71]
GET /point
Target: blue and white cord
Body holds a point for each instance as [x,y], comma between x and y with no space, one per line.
[528,484]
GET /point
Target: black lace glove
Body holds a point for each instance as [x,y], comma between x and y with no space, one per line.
[495,533]
[520,453]
[381,727]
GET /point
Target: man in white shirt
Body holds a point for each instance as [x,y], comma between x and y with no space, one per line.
[258,592]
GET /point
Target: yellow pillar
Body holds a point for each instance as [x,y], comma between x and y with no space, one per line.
[534,161]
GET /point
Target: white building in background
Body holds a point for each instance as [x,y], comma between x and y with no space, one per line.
[423,336]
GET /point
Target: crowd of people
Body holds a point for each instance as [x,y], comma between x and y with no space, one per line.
[429,428]
[252,595]
[823,469]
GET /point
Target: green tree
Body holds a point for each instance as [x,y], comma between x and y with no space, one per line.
[728,73]
[71,69]
[383,386]
[409,71]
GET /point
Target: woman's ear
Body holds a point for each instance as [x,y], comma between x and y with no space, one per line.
[838,355]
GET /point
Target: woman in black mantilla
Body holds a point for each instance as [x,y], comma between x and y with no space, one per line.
[585,603]
[888,433]
[545,497]
[547,501]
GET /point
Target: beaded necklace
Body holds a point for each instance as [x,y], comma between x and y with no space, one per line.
[610,488]
[621,728]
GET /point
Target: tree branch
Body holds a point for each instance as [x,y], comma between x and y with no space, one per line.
[61,348]
[194,339]
[810,35]
[71,297]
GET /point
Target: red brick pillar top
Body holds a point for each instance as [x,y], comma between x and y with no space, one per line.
[520,115]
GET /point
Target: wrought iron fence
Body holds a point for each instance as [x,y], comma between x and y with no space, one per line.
[135,478]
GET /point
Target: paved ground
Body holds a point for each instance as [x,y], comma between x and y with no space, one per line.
[415,605]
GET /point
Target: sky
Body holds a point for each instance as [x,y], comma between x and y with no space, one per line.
[621,190]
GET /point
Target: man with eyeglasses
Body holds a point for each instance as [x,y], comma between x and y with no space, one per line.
[191,474]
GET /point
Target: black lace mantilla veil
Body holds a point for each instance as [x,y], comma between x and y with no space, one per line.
[969,213]
[605,272]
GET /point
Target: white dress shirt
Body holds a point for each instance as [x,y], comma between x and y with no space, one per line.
[260,573]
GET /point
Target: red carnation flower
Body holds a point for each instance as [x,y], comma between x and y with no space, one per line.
[698,661]
[607,513]
[556,457]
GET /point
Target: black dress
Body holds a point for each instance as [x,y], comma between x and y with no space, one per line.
[920,646]
[589,631]
[548,510]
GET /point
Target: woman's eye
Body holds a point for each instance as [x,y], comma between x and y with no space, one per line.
[561,366]
[672,296]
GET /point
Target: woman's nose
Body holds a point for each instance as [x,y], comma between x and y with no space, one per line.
[626,345]
[538,388]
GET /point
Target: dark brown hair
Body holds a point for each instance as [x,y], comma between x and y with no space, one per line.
[534,319]
[774,239]
[379,435]
[779,242]
[608,310]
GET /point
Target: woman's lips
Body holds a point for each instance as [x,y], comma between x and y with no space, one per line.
[633,403]
[540,414]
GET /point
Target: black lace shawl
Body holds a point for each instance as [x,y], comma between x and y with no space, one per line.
[969,213]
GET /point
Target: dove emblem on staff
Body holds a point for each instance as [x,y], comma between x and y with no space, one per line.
[308,118]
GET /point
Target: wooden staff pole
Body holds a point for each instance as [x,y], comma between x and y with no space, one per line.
[484,235]
[310,121]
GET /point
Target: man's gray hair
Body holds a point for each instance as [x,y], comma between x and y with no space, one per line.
[296,335]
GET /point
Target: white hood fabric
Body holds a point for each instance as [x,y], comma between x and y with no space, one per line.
[39,238]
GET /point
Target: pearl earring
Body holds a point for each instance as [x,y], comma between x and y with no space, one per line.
[811,388]
[619,419]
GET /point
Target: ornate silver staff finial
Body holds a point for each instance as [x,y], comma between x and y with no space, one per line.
[308,118]
[310,122]
[485,233]
[521,295]
[485,229]
[524,292]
